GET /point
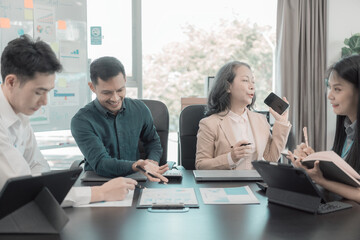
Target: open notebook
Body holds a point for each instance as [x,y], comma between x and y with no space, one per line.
[333,167]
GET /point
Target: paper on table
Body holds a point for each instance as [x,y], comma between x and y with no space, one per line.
[150,196]
[239,195]
[127,202]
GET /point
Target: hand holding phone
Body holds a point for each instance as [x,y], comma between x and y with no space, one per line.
[276,103]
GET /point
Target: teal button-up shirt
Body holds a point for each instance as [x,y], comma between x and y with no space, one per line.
[109,142]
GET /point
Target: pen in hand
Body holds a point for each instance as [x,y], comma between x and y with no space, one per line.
[306,136]
[244,144]
[150,174]
[139,186]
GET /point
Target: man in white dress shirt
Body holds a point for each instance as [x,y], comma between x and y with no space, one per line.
[28,73]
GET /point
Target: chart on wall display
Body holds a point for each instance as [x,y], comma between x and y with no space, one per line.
[66,91]
[72,56]
[63,25]
[44,23]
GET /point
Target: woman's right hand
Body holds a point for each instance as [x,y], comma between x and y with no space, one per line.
[238,151]
[295,161]
[303,151]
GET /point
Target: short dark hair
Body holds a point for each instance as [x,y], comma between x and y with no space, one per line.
[105,68]
[219,97]
[24,57]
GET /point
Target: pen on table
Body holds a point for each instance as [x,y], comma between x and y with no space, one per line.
[306,136]
[150,174]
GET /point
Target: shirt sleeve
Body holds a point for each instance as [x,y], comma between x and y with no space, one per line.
[32,153]
[277,141]
[95,152]
[230,161]
[77,196]
[287,124]
[150,138]
[13,163]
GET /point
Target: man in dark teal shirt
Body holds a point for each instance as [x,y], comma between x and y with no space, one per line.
[107,130]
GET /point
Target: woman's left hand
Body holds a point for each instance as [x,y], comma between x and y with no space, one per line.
[283,117]
[315,173]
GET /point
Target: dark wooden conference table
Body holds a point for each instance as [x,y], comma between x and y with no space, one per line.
[260,221]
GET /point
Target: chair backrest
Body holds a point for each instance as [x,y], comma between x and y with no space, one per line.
[160,116]
[188,127]
[190,117]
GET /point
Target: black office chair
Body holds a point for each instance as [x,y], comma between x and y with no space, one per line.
[160,116]
[188,128]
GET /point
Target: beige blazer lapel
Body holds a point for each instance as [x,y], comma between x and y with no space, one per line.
[227,129]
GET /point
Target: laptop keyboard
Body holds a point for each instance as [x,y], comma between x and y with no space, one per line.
[332,207]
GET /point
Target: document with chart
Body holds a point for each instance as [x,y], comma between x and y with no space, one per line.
[238,195]
[151,196]
[127,202]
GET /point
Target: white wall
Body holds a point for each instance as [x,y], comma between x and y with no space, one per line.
[343,21]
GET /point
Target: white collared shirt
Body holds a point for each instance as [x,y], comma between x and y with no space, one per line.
[20,155]
[241,127]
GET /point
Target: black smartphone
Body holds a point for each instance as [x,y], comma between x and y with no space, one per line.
[276,103]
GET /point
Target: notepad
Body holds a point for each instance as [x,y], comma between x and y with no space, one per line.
[127,202]
[238,195]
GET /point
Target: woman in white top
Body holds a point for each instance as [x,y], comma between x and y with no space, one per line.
[232,135]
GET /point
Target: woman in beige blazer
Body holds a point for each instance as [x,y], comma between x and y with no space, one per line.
[232,136]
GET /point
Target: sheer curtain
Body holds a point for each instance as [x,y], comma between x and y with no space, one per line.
[301,67]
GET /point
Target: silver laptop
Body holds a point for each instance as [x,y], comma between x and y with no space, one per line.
[226,175]
[91,176]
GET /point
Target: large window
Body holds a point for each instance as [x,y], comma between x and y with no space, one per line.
[169,47]
[185,41]
[114,18]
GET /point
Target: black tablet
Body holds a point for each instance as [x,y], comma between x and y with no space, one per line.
[286,177]
[19,191]
[292,187]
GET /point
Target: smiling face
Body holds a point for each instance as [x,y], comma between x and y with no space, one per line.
[28,97]
[343,96]
[242,89]
[110,93]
